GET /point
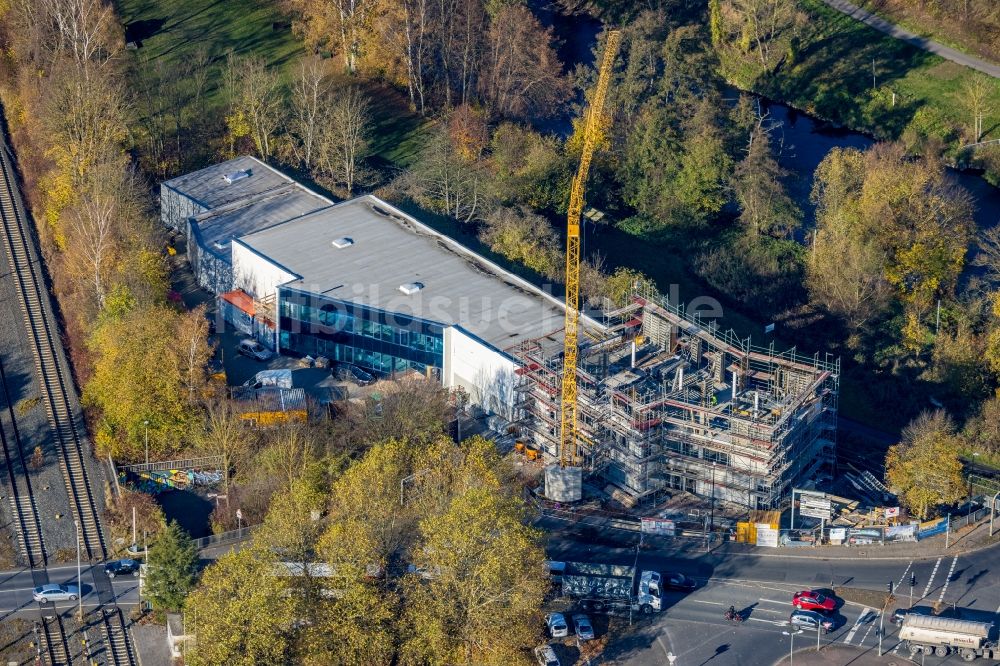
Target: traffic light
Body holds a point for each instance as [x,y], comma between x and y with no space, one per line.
[913,579]
[890,587]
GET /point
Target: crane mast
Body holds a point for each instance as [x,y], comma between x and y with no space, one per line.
[568,438]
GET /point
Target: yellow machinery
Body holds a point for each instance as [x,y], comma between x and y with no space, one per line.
[569,445]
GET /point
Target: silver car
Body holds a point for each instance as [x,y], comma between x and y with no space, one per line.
[584,630]
[810,620]
[556,623]
[53,592]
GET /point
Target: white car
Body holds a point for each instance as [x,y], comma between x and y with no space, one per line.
[53,592]
[556,623]
[584,630]
[254,350]
[546,656]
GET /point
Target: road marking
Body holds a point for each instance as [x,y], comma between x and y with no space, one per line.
[947,579]
[774,601]
[777,623]
[865,637]
[702,601]
[857,624]
[931,578]
[900,583]
[895,650]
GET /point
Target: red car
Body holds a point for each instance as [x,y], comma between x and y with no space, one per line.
[811,600]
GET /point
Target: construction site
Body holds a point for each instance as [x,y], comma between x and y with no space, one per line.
[669,403]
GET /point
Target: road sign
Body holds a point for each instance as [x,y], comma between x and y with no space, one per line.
[767,536]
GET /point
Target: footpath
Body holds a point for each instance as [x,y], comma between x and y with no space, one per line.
[924,43]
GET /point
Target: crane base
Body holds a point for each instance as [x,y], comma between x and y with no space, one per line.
[563,484]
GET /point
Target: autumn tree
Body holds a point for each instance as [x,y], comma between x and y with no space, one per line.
[528,168]
[256,99]
[524,237]
[924,468]
[225,434]
[172,568]
[241,612]
[766,209]
[982,431]
[149,518]
[143,371]
[522,76]
[486,579]
[756,30]
[976,93]
[445,181]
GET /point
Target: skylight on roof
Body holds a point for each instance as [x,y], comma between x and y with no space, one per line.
[411,288]
[231,178]
[341,243]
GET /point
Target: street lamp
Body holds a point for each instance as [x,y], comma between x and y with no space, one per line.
[791,644]
[711,526]
[145,425]
[79,583]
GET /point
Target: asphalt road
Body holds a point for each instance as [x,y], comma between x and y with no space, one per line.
[694,629]
[16,587]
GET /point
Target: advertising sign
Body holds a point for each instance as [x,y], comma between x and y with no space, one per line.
[815,507]
[657,526]
[892,512]
[838,533]
[767,536]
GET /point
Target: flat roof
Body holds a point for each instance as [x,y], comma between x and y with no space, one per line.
[455,286]
[218,227]
[209,188]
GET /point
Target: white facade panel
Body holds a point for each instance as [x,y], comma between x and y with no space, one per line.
[257,275]
[485,374]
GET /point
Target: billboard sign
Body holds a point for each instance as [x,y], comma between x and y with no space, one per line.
[815,506]
[892,512]
[658,527]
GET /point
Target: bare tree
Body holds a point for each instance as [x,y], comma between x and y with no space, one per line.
[308,105]
[255,91]
[201,64]
[346,132]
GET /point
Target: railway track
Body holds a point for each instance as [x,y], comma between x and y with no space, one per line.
[52,372]
[120,651]
[51,375]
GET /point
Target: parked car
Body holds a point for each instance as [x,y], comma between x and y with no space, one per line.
[584,630]
[53,592]
[254,350]
[814,601]
[546,656]
[680,582]
[810,620]
[556,623]
[122,568]
[352,373]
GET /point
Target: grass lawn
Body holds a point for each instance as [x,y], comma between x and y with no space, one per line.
[172,31]
[832,78]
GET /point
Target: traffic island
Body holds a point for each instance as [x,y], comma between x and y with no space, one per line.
[842,655]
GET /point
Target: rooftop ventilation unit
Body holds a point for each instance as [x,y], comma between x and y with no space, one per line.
[231,178]
[411,288]
[341,243]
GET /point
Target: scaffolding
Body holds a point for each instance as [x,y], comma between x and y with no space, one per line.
[668,402]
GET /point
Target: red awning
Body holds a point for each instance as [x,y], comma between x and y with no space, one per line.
[241,300]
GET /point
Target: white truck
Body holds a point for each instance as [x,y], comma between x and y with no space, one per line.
[603,587]
[941,636]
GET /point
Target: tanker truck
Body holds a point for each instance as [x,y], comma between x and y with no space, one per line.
[941,636]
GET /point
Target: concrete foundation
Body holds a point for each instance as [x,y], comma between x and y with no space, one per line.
[563,484]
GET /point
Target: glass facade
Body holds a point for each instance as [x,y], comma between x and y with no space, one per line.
[378,341]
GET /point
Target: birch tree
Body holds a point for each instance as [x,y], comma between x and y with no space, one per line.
[307,105]
[344,140]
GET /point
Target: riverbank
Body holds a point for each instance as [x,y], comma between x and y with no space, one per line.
[853,76]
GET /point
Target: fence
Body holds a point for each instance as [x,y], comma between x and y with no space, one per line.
[224,537]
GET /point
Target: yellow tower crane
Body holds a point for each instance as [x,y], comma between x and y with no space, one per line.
[569,444]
